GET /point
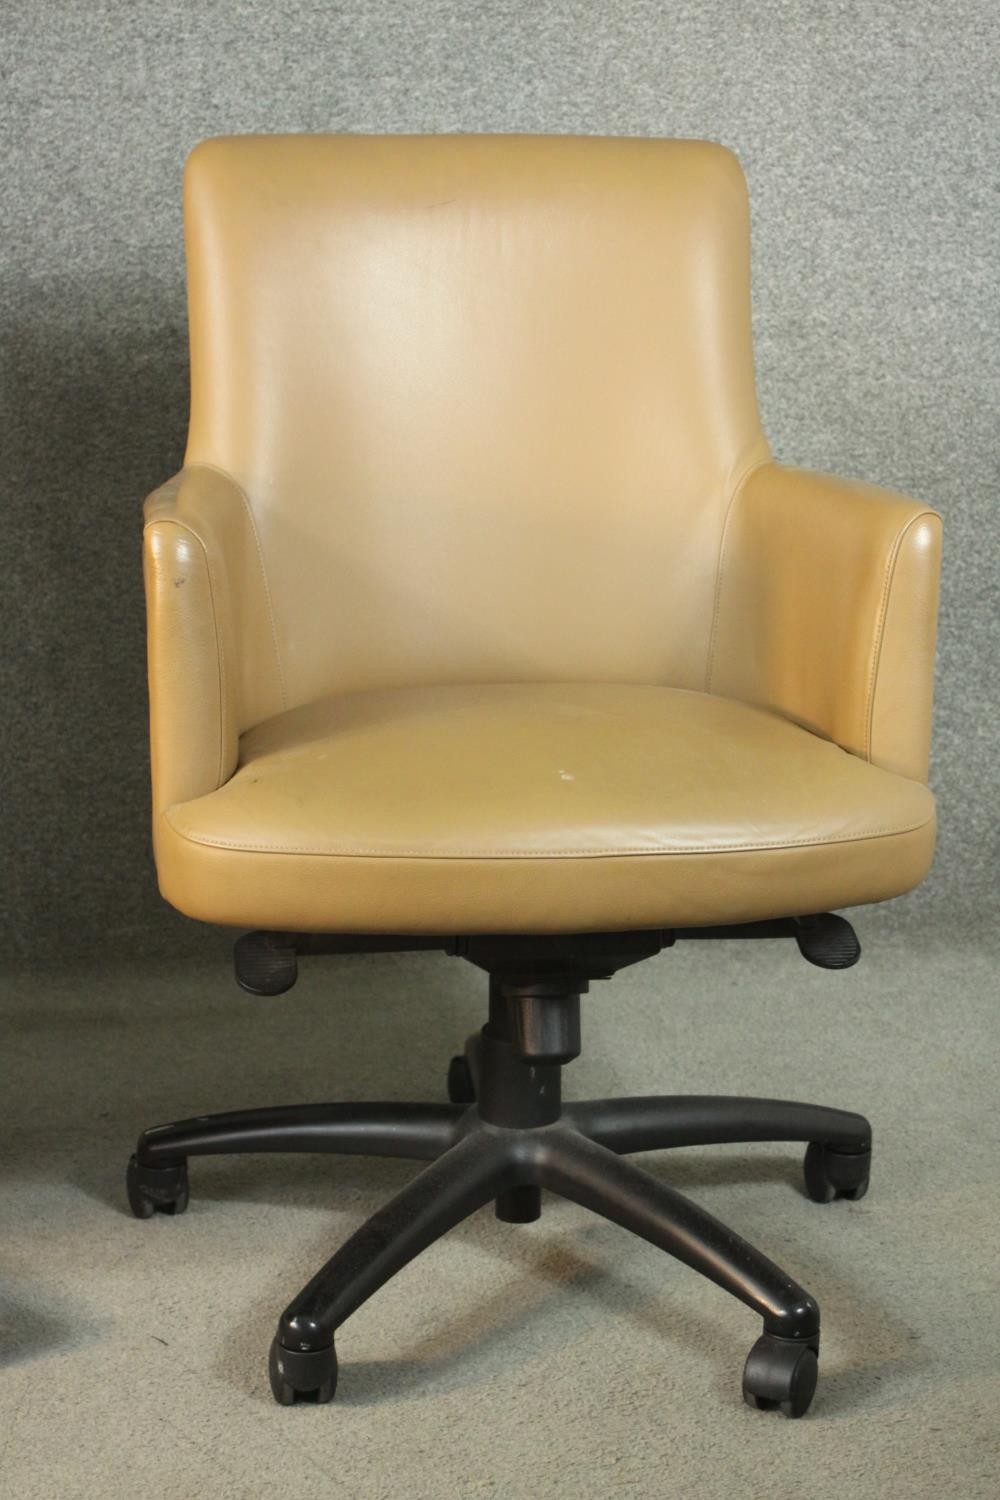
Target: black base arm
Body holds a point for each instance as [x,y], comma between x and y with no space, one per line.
[504,1138]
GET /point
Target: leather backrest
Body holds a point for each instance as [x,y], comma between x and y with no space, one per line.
[487,397]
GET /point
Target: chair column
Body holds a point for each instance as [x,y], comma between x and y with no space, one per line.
[532,1031]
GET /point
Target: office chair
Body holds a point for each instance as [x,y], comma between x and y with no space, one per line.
[481,620]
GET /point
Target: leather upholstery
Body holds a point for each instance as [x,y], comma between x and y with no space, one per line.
[539,807]
[213,663]
[827,607]
[476,495]
[488,397]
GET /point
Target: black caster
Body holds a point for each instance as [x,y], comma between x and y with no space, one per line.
[461,1089]
[519,1205]
[302,1377]
[836,1174]
[780,1375]
[156,1190]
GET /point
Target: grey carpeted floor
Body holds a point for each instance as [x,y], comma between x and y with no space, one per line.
[563,1358]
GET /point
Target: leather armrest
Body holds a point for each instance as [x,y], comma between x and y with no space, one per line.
[213,665]
[826,611]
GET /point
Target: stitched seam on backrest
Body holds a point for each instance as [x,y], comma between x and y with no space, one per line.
[738,489]
[215,469]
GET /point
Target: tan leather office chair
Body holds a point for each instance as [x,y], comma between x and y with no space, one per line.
[481,619]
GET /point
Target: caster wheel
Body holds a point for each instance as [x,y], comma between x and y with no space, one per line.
[836,1174]
[461,1089]
[156,1190]
[780,1375]
[302,1377]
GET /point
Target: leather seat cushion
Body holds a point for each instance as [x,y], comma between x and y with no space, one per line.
[539,807]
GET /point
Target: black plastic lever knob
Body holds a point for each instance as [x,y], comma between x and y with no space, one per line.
[266,963]
[828,941]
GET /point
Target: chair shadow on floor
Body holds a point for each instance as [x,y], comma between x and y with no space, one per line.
[37,1322]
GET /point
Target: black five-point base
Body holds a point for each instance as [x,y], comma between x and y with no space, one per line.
[504,1137]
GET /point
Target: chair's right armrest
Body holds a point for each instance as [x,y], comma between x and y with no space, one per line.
[826,611]
[210,638]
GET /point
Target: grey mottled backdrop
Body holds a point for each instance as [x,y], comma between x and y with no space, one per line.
[869,136]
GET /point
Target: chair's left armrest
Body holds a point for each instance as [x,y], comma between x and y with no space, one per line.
[826,611]
[212,650]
